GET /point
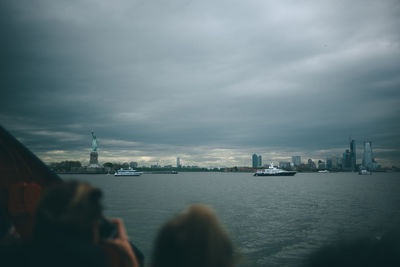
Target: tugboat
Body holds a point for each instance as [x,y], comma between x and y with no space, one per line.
[273,171]
[128,172]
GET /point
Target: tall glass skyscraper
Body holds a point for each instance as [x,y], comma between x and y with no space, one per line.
[346,161]
[367,157]
[255,160]
[353,159]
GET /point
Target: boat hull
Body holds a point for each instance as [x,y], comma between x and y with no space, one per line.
[276,174]
[131,174]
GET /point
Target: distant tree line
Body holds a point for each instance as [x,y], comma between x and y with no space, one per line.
[109,166]
[65,166]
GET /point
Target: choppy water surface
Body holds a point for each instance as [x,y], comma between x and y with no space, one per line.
[275,221]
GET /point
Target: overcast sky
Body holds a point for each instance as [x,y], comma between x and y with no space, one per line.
[210,82]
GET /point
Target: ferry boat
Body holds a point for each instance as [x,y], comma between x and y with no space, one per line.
[273,171]
[127,172]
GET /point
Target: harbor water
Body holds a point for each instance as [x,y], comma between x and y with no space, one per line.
[273,221]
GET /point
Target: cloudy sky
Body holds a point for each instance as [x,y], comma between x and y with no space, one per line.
[210,82]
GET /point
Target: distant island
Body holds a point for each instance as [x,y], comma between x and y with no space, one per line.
[76,167]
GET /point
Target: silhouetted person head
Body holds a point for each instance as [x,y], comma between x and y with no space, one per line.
[69,210]
[66,227]
[5,225]
[193,238]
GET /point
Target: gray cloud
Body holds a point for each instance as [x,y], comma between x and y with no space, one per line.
[161,78]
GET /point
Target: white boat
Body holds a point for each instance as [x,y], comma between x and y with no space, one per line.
[127,172]
[273,171]
[324,171]
[364,172]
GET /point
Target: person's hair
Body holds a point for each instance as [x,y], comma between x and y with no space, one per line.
[68,210]
[193,238]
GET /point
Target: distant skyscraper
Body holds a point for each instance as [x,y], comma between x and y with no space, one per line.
[178,162]
[259,161]
[296,160]
[329,163]
[321,165]
[353,160]
[335,162]
[367,157]
[255,160]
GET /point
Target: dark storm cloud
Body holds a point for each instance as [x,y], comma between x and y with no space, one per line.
[161,78]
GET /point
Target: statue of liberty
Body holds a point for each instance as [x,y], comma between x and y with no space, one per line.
[94,143]
[94,163]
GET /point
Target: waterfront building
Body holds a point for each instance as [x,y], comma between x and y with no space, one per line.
[368,162]
[254,161]
[296,160]
[284,165]
[329,164]
[311,164]
[259,161]
[178,162]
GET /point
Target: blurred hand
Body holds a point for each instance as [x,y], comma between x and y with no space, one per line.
[122,242]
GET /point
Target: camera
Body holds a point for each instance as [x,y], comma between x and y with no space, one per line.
[107,230]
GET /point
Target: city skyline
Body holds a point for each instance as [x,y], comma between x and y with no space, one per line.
[365,160]
[209,82]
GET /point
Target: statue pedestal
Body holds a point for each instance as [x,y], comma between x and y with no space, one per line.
[94,163]
[94,158]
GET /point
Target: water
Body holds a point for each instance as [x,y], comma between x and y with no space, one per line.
[274,221]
